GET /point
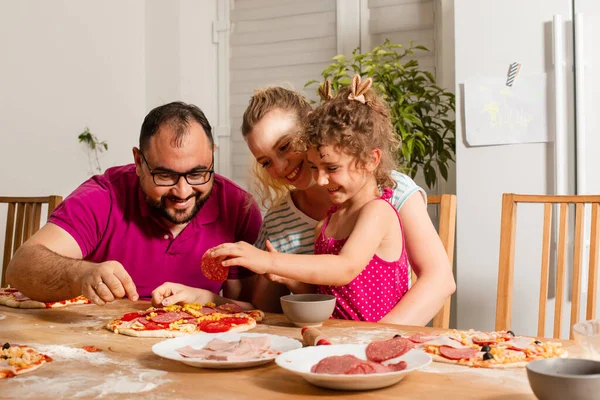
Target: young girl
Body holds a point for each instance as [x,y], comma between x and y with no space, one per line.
[360,255]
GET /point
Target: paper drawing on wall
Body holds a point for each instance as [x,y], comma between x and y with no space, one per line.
[499,114]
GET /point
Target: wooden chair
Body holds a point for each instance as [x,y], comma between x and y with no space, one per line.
[507,257]
[446,230]
[28,212]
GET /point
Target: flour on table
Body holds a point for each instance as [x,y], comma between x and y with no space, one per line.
[61,352]
[118,382]
[2,316]
[74,386]
[87,381]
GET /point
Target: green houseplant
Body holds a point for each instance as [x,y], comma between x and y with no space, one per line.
[422,113]
[94,148]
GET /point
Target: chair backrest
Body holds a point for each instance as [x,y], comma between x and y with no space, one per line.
[507,257]
[446,230]
[28,211]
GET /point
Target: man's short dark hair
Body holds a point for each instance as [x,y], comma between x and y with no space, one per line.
[179,115]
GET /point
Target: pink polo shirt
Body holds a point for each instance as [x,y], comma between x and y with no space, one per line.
[109,218]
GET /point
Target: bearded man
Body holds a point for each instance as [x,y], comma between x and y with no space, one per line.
[124,233]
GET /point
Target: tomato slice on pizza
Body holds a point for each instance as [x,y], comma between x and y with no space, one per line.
[177,320]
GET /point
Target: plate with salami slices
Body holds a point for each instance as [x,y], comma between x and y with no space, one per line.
[226,350]
[354,366]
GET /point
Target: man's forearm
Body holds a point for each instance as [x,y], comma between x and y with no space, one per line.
[42,274]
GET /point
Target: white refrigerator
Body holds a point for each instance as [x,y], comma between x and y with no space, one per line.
[555,44]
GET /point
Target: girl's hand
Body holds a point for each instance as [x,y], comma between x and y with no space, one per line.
[278,279]
[174,293]
[244,255]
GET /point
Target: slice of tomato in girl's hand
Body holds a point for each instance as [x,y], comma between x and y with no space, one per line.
[212,268]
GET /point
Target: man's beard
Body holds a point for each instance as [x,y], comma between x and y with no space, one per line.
[178,216]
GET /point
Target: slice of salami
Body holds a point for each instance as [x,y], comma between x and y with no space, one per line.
[361,369]
[457,354]
[336,364]
[167,318]
[212,269]
[386,349]
[230,308]
[399,366]
[151,325]
[421,338]
[207,310]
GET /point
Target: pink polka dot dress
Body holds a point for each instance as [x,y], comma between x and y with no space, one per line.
[376,290]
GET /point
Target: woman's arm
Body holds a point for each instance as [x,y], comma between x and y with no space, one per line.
[430,263]
[326,269]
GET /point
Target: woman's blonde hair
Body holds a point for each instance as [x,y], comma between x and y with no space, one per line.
[355,121]
[271,191]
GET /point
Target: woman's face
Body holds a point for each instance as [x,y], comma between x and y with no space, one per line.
[271,144]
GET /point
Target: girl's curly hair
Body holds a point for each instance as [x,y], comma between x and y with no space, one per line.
[355,129]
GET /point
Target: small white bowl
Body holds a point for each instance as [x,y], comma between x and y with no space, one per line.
[308,309]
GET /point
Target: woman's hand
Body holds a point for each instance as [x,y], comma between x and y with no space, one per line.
[244,255]
[175,293]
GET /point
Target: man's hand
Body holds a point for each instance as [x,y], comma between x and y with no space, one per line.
[176,293]
[105,282]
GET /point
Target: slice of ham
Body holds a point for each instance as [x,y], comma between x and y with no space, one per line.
[221,345]
[521,343]
[247,348]
[445,341]
[20,296]
[484,340]
[458,354]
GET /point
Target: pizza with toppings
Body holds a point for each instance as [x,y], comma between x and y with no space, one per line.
[11,297]
[16,359]
[180,320]
[472,348]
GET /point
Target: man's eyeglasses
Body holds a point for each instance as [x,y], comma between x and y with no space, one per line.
[193,178]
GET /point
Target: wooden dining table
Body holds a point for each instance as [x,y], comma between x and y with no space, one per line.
[126,367]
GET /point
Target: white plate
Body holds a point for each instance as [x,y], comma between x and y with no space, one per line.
[168,349]
[300,362]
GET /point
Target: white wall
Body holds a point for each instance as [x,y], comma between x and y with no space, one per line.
[69,64]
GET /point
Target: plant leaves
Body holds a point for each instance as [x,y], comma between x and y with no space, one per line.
[421,112]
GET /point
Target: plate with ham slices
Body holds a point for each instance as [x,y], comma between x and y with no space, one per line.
[226,350]
[355,366]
